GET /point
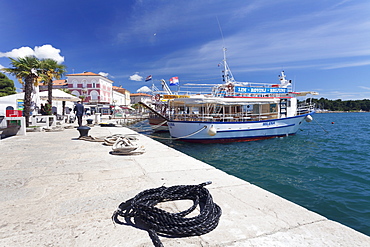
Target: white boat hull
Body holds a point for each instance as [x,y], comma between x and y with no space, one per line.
[216,132]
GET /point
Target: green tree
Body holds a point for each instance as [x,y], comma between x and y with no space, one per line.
[6,86]
[66,91]
[346,105]
[27,71]
[51,70]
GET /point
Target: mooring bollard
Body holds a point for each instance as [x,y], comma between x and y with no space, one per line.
[89,121]
[84,130]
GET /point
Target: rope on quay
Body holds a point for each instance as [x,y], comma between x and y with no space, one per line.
[158,221]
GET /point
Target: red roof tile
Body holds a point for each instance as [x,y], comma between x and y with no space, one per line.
[140,94]
[85,74]
[115,87]
[56,83]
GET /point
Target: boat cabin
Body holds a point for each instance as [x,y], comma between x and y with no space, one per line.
[231,109]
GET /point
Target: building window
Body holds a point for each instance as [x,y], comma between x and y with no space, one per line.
[74,83]
[84,83]
[93,84]
[76,93]
[94,95]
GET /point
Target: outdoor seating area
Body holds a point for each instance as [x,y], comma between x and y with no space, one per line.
[10,126]
[43,120]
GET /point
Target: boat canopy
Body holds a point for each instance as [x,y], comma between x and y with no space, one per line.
[305,93]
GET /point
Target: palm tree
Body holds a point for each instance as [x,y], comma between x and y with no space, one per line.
[63,102]
[27,71]
[51,70]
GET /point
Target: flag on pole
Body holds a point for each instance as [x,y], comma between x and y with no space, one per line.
[174,81]
[148,78]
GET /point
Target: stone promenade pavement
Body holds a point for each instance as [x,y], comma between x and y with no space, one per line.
[56,190]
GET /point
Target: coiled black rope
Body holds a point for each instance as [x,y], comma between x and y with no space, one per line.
[158,221]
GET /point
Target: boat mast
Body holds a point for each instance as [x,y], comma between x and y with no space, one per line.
[227,75]
[165,87]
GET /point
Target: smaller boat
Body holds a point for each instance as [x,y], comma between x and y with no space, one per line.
[158,114]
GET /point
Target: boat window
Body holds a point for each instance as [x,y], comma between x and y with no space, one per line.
[272,107]
[227,109]
[218,109]
[248,108]
[256,109]
[265,108]
[195,110]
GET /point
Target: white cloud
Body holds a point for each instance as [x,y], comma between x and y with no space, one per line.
[104,74]
[308,40]
[1,66]
[20,52]
[351,94]
[41,52]
[136,77]
[144,89]
[349,64]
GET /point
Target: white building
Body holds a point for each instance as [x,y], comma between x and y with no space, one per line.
[93,88]
[121,96]
[14,103]
[141,97]
[11,102]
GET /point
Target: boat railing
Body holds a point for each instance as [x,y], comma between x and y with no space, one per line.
[219,117]
[305,108]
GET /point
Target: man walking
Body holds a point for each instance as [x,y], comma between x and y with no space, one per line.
[79,112]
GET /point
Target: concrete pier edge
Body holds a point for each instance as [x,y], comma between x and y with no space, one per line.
[57,190]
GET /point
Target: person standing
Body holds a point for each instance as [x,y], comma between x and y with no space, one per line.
[79,112]
[42,110]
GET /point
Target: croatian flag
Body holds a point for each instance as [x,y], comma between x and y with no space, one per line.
[148,78]
[174,81]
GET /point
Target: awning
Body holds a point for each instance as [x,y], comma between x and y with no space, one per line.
[305,93]
[59,95]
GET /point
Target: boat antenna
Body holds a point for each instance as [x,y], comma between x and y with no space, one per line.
[222,35]
[227,75]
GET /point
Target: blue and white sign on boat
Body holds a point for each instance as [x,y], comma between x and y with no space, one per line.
[239,89]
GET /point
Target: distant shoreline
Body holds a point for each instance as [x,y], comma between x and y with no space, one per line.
[339,111]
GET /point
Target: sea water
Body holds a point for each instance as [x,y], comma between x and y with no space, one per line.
[325,167]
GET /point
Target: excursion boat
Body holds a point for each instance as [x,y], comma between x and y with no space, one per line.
[239,111]
[158,117]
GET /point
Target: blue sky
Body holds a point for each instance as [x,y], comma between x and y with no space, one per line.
[322,46]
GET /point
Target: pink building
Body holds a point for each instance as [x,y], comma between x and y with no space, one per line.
[94,88]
